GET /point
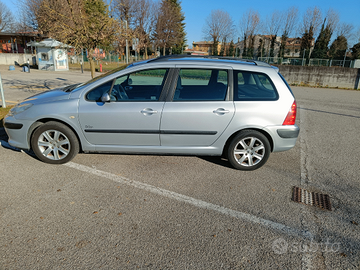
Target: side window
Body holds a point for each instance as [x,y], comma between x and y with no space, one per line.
[145,85]
[96,93]
[253,86]
[222,77]
[154,77]
[201,85]
[195,76]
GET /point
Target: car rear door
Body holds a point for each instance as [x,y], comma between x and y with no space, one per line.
[200,109]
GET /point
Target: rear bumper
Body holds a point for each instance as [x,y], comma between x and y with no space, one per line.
[284,137]
[288,133]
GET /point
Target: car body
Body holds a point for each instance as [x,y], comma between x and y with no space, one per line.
[168,105]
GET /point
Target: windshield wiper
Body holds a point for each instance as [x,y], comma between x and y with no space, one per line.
[70,88]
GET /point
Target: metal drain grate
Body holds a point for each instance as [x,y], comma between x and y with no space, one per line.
[311,198]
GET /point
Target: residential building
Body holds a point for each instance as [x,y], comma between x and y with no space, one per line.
[205,46]
[16,42]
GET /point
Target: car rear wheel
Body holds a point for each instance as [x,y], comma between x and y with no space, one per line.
[249,150]
[54,143]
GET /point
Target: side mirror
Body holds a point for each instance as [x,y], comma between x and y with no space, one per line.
[105,97]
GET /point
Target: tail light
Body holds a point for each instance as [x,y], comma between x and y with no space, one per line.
[291,116]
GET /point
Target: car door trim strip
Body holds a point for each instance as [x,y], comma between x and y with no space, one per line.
[166,132]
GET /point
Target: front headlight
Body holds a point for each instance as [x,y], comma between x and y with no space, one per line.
[20,108]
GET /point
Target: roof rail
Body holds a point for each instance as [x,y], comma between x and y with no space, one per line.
[179,56]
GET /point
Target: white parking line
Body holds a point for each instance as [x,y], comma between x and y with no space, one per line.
[192,201]
[189,200]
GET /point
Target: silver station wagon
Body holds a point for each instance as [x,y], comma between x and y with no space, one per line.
[241,110]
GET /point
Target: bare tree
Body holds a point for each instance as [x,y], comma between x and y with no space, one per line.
[29,12]
[345,30]
[357,35]
[6,18]
[289,23]
[144,20]
[274,22]
[332,17]
[290,20]
[273,25]
[218,27]
[248,26]
[123,11]
[312,20]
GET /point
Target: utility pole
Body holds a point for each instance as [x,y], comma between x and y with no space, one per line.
[82,60]
[127,46]
[344,57]
[303,58]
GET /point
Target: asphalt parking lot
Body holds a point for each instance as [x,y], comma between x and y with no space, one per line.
[180,212]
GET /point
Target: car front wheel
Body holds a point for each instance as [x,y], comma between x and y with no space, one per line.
[249,150]
[54,143]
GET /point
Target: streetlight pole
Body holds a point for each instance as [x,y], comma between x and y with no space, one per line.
[127,46]
[82,60]
[303,58]
[344,57]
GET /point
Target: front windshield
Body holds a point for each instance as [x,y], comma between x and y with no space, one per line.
[103,75]
[75,86]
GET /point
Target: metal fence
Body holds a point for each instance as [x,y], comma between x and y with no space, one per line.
[312,62]
[107,58]
[120,59]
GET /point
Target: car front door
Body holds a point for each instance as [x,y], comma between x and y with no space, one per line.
[199,111]
[132,117]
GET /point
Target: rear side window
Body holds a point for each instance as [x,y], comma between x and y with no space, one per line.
[253,86]
[281,76]
[201,85]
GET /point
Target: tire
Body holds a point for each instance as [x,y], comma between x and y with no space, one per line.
[54,143]
[249,150]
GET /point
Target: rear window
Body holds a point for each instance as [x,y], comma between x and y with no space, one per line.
[253,86]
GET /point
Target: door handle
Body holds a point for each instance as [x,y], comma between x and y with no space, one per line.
[148,111]
[128,88]
[221,111]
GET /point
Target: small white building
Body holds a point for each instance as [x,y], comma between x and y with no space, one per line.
[51,54]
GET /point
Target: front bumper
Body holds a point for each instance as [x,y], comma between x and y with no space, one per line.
[17,132]
[9,125]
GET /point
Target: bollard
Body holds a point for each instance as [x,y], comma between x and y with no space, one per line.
[2,93]
[100,67]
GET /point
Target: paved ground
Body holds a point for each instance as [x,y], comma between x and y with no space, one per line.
[161,212]
[19,85]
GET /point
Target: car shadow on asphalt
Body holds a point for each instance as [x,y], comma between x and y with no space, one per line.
[4,143]
[217,161]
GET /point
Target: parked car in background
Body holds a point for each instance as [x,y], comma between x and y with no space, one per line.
[243,110]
